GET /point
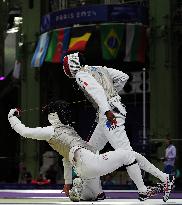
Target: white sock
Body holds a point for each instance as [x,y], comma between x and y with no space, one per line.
[149,167]
[135,174]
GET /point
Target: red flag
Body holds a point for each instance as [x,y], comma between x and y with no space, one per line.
[58,45]
[79,38]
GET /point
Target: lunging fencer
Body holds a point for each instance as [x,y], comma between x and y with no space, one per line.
[78,154]
[101,86]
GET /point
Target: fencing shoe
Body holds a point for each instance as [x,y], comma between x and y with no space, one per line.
[101,196]
[151,191]
[168,186]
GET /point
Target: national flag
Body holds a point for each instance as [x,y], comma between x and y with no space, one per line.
[136,42]
[112,38]
[58,45]
[41,50]
[79,38]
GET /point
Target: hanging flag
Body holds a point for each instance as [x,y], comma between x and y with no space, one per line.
[40,51]
[79,38]
[136,42]
[112,37]
[58,45]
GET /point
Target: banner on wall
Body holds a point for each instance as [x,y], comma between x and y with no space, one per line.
[94,14]
[69,17]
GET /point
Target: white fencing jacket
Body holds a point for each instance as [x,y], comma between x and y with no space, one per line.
[60,137]
[101,84]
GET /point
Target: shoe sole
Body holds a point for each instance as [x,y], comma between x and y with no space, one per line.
[143,199]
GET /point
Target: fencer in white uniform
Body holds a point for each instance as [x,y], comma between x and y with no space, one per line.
[101,86]
[78,154]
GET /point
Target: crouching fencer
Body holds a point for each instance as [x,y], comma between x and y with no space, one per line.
[78,154]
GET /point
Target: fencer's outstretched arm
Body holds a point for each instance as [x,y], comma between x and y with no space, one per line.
[119,78]
[94,89]
[39,133]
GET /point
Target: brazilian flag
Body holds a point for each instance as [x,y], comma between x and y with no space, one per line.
[112,38]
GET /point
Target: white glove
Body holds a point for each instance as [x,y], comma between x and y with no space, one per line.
[12,117]
[13,112]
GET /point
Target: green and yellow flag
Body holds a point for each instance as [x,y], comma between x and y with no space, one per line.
[112,38]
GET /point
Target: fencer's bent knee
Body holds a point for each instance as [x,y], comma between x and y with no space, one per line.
[135,162]
[130,157]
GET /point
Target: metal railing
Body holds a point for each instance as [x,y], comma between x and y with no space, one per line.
[56,5]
